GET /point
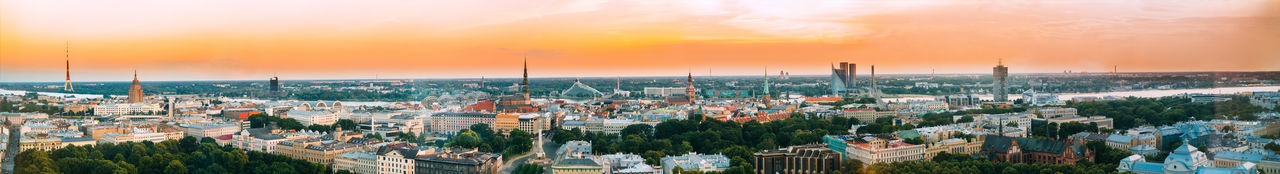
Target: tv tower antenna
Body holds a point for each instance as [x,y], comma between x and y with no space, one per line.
[67,53]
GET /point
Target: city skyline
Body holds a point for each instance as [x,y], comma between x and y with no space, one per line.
[201,41]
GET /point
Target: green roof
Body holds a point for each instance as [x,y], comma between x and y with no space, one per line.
[907,134]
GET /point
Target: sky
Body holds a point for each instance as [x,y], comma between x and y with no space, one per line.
[309,39]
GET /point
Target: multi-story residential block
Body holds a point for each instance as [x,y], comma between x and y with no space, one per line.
[262,141]
[664,91]
[96,131]
[1128,141]
[1267,100]
[456,160]
[308,118]
[137,135]
[875,149]
[953,146]
[1270,164]
[695,162]
[863,115]
[125,109]
[396,160]
[960,99]
[322,149]
[356,162]
[452,122]
[533,123]
[574,157]
[408,123]
[1054,112]
[45,143]
[806,159]
[1102,121]
[506,122]
[613,163]
[1229,159]
[212,129]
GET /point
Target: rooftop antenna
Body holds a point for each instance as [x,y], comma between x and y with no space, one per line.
[710,78]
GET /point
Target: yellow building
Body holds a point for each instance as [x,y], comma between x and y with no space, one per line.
[45,144]
[505,122]
[953,146]
[315,150]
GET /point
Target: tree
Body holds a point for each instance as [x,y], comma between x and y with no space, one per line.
[1011,124]
[850,166]
[374,136]
[481,129]
[528,169]
[346,124]
[1272,147]
[321,128]
[33,161]
[644,130]
[467,139]
[175,166]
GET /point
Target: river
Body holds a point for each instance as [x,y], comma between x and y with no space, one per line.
[1139,93]
[1063,96]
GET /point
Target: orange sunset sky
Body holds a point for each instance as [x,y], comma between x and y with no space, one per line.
[304,39]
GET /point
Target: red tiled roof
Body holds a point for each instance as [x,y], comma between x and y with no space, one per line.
[486,105]
[822,99]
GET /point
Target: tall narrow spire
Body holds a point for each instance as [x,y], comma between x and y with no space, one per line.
[67,86]
[525,85]
[766,80]
[766,98]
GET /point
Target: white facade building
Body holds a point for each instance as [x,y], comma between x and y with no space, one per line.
[136,136]
[125,108]
[396,162]
[308,118]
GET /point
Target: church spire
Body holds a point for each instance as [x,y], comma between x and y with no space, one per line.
[766,80]
[525,85]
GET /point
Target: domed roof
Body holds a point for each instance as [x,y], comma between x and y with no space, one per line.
[1186,158]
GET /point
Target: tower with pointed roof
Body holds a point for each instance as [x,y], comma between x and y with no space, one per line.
[524,85]
[135,90]
[766,98]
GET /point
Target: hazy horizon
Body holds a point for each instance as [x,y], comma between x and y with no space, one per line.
[249,40]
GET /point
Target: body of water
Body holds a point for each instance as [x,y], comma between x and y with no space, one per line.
[1063,96]
[1140,93]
